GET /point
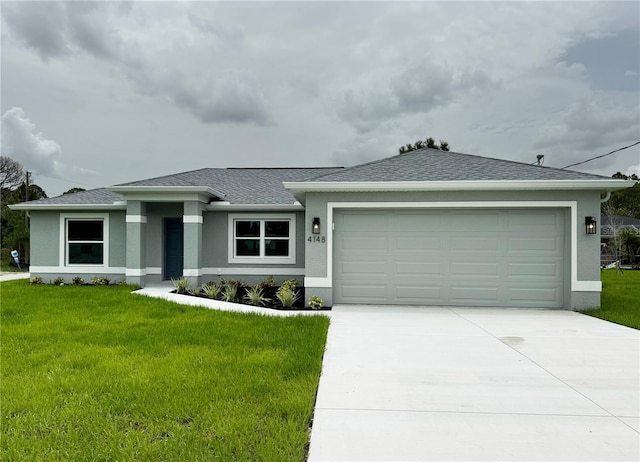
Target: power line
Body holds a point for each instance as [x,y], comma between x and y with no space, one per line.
[603,155]
[68,181]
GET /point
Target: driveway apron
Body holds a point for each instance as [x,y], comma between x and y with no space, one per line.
[435,383]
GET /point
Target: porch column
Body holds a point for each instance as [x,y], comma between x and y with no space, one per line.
[192,220]
[136,243]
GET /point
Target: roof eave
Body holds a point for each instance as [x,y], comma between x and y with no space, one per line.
[600,185]
[26,206]
[300,188]
[164,189]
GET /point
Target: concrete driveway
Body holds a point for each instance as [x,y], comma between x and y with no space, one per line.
[416,383]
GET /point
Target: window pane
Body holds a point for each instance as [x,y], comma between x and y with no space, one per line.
[276,247]
[277,228]
[90,254]
[84,230]
[247,247]
[247,229]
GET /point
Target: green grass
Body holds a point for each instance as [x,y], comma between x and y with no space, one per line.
[620,301]
[96,373]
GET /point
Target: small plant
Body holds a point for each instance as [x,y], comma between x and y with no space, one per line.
[315,302]
[229,292]
[36,280]
[211,290]
[287,296]
[100,281]
[181,285]
[255,296]
[269,282]
[290,284]
[59,281]
[77,280]
[122,282]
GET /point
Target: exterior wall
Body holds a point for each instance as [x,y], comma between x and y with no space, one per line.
[45,238]
[47,260]
[215,257]
[586,247]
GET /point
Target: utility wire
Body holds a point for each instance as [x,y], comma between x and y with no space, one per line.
[603,155]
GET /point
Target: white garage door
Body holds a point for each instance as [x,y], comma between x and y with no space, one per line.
[450,257]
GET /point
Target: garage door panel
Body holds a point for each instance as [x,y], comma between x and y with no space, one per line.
[444,257]
[473,294]
[483,269]
[534,269]
[419,295]
[541,297]
[368,243]
[370,293]
[482,221]
[417,243]
[355,268]
[474,244]
[534,245]
[415,269]
[366,221]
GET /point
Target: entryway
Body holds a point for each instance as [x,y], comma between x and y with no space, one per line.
[173,248]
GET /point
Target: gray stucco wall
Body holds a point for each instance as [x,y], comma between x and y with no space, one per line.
[45,238]
[588,246]
[45,246]
[214,258]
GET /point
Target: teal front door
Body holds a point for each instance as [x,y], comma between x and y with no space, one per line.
[173,248]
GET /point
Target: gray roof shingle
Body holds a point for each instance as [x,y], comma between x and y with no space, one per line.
[99,196]
[434,165]
[241,185]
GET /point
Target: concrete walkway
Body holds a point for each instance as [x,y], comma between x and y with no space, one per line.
[415,383]
[10,276]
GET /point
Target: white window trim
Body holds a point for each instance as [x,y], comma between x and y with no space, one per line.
[231,241]
[64,258]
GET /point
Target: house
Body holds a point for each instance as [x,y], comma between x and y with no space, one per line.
[422,228]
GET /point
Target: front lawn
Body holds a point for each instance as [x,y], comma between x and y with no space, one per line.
[96,373]
[620,301]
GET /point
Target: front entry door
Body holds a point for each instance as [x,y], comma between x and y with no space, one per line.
[173,248]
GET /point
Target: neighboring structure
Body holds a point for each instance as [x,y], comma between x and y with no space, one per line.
[615,225]
[423,228]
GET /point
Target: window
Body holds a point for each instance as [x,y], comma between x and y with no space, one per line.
[85,241]
[261,239]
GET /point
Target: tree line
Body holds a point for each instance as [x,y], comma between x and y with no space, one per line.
[14,224]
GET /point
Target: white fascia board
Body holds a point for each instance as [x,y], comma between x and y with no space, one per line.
[69,207]
[475,185]
[163,192]
[227,206]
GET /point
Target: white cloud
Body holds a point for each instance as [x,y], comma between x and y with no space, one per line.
[22,142]
[633,170]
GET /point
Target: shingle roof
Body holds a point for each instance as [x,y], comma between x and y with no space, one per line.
[241,185]
[434,165]
[99,196]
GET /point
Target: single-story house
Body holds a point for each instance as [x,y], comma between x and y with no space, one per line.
[426,227]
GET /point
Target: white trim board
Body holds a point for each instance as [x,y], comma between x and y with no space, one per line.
[254,271]
[78,270]
[576,286]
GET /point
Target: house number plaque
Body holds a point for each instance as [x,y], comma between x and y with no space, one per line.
[317,239]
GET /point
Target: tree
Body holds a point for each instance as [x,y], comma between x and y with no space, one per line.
[73,190]
[428,143]
[625,202]
[11,175]
[15,227]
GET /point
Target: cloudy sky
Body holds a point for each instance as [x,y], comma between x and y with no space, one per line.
[101,93]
